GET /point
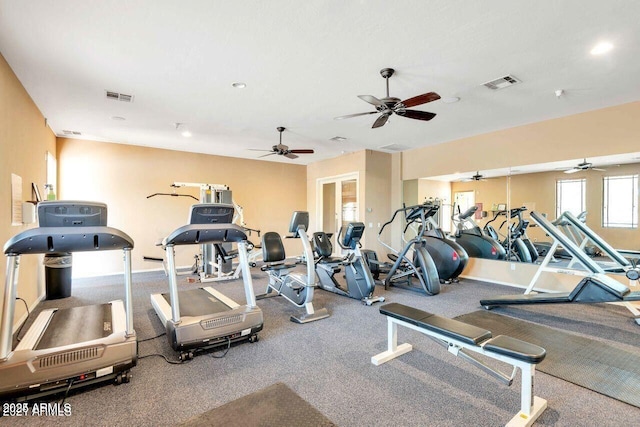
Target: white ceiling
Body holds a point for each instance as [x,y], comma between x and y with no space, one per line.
[305,62]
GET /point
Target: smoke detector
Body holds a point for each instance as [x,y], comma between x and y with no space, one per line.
[502,82]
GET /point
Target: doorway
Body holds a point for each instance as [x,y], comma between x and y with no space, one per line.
[338,204]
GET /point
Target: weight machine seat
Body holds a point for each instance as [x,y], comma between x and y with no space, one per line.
[466,333]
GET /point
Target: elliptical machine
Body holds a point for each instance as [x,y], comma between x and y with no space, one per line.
[420,266]
[359,280]
[517,245]
[470,237]
[294,287]
[449,257]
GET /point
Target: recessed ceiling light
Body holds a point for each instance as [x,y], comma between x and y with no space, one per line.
[186,134]
[117,118]
[450,100]
[601,48]
[338,138]
[239,85]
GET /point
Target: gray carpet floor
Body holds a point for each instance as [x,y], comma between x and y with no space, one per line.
[327,363]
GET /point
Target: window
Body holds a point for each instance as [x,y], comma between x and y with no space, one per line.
[570,196]
[620,201]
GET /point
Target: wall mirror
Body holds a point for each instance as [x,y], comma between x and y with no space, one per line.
[596,187]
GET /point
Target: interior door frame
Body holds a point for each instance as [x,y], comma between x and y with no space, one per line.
[337,180]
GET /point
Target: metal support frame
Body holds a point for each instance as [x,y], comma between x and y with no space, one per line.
[8,305]
[531,407]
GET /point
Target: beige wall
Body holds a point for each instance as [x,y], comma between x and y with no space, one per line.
[378,203]
[122,176]
[24,141]
[602,132]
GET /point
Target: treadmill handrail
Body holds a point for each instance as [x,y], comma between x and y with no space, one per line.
[42,240]
[596,239]
[192,234]
[567,244]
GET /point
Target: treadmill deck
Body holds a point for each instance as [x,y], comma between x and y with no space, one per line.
[198,302]
[75,325]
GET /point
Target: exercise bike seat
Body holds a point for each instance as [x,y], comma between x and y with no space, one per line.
[323,247]
[273,253]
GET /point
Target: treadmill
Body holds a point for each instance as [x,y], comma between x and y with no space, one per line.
[203,318]
[68,348]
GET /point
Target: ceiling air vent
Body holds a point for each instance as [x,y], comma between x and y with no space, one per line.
[119,96]
[71,132]
[502,82]
[394,147]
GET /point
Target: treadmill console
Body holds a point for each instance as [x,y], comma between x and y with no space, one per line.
[211,213]
[61,213]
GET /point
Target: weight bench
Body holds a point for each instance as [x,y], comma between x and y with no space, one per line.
[461,339]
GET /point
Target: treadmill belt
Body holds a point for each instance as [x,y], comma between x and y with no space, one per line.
[77,324]
[198,302]
[592,364]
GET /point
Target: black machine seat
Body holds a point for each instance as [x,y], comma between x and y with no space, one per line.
[273,253]
[322,246]
[466,333]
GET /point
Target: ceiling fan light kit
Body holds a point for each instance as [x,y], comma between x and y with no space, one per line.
[389,105]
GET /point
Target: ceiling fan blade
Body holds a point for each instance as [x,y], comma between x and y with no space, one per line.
[348,116]
[598,169]
[380,121]
[414,114]
[302,151]
[291,156]
[265,155]
[573,170]
[420,99]
[257,149]
[371,100]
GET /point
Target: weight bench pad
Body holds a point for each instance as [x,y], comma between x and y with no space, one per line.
[466,333]
[516,349]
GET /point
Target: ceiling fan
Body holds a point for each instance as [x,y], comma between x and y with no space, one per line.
[583,167]
[476,177]
[282,150]
[390,105]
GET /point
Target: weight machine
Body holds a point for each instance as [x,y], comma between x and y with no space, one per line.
[214,262]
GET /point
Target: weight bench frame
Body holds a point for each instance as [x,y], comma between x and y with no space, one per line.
[531,407]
